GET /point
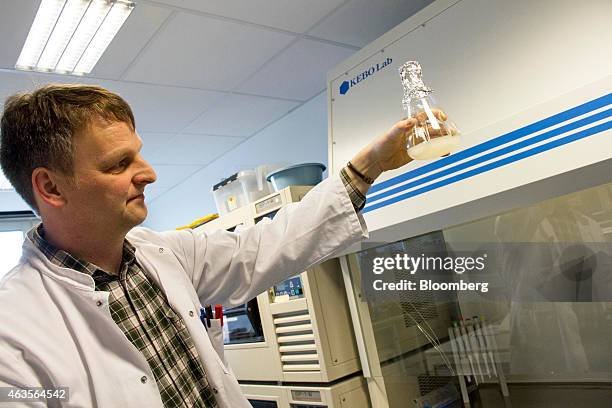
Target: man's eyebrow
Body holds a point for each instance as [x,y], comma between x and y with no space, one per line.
[127,149]
[116,155]
[119,154]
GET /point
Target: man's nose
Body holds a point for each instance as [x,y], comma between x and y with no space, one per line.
[146,175]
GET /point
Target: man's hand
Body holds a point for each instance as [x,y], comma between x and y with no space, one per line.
[386,152]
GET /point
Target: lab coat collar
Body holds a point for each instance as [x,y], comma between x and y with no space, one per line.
[82,281]
[38,260]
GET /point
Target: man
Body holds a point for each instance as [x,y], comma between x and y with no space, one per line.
[111,311]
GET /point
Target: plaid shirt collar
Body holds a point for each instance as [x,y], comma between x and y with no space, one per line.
[63,259]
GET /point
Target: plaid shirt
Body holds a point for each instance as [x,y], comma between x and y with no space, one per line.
[142,312]
[357,198]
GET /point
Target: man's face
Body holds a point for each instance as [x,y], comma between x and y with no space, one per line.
[110,176]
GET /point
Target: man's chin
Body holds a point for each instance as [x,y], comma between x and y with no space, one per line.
[137,217]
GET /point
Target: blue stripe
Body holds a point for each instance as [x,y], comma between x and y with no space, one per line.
[511,159]
[500,140]
[508,149]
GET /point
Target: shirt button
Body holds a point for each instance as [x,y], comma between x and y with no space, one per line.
[191,313]
[215,390]
[99,303]
[161,250]
[149,321]
[143,379]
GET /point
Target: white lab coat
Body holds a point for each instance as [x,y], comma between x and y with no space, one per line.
[55,330]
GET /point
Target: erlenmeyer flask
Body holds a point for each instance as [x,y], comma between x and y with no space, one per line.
[434,134]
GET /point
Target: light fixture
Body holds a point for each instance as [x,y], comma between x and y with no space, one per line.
[70,36]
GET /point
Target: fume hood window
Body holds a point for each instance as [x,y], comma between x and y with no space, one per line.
[545,322]
[555,258]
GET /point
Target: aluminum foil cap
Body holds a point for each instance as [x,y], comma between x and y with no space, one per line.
[412,81]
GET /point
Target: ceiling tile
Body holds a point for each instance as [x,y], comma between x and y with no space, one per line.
[299,72]
[240,115]
[161,108]
[21,81]
[11,83]
[359,22]
[296,16]
[16,18]
[170,175]
[189,52]
[41,79]
[153,141]
[192,149]
[133,36]
[156,108]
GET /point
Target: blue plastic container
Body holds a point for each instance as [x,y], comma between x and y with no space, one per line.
[307,174]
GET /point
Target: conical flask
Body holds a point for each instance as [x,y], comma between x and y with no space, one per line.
[434,135]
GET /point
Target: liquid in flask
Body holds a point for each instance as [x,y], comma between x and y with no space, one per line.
[434,134]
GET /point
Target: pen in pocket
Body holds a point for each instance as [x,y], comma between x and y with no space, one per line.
[204,318]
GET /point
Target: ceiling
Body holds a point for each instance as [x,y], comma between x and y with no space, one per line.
[205,75]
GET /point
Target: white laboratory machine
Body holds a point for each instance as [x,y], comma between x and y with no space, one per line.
[300,330]
[348,393]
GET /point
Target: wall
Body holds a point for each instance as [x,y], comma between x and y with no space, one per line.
[299,137]
[11,201]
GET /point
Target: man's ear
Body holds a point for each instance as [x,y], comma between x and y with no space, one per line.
[45,184]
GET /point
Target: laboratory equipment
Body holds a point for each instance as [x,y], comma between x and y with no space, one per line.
[243,324]
[434,134]
[299,330]
[347,393]
[532,131]
[242,188]
[249,338]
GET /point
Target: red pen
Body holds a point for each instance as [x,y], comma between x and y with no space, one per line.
[219,313]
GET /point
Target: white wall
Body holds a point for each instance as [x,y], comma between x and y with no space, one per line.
[299,137]
[11,201]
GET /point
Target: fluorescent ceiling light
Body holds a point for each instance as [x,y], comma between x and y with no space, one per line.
[70,36]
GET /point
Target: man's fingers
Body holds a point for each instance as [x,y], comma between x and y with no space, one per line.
[421,116]
[443,130]
[409,122]
[439,114]
[406,124]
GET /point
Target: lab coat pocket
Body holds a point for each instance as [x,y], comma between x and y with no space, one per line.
[215,333]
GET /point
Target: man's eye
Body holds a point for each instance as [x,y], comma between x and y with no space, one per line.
[119,167]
